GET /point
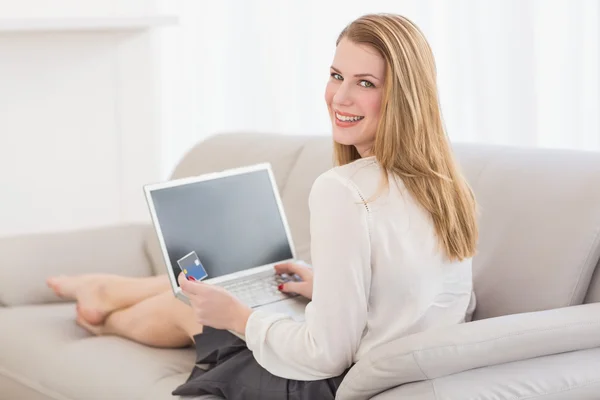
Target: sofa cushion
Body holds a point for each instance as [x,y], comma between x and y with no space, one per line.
[28,260]
[315,158]
[43,345]
[232,150]
[567,376]
[18,387]
[450,350]
[539,226]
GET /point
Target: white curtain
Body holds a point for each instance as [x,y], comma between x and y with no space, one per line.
[516,72]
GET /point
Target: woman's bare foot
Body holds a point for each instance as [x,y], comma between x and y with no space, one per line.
[99,295]
[82,321]
[90,292]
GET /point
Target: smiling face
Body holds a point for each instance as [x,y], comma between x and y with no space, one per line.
[354,94]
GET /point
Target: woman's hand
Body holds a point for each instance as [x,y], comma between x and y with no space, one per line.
[214,306]
[303,288]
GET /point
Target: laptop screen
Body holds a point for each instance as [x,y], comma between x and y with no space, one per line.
[233,223]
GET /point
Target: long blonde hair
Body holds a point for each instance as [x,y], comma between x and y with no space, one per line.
[411,140]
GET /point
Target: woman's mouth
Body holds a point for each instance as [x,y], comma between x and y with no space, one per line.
[345,120]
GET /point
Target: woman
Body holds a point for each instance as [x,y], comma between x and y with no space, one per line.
[393,231]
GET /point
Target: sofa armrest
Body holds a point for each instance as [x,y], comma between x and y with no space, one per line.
[445,351]
[26,261]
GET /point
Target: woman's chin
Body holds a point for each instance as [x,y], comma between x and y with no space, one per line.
[343,137]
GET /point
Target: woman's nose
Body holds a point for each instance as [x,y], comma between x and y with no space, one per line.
[342,96]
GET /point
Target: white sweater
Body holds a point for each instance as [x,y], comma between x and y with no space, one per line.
[378,276]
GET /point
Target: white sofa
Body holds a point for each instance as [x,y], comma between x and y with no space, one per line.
[536,329]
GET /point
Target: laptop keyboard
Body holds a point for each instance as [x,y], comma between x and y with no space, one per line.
[257,290]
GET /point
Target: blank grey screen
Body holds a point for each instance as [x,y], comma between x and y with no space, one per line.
[233,223]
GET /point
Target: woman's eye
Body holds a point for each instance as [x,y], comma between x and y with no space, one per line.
[366,84]
[336,76]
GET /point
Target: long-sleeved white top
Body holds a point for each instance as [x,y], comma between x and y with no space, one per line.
[379,274]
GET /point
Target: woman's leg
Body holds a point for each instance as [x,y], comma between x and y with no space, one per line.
[99,295]
[159,321]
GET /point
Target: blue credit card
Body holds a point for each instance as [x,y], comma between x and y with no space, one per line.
[192,267]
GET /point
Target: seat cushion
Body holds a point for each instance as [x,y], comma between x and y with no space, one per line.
[43,351]
[567,376]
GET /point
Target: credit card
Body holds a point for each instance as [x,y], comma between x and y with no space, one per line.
[192,267]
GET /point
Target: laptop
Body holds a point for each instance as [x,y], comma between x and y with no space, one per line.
[229,229]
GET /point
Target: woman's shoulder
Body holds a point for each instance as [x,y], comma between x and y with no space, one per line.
[354,172]
[353,180]
[367,166]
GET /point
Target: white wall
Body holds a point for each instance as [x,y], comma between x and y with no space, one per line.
[512,72]
[86,118]
[79,122]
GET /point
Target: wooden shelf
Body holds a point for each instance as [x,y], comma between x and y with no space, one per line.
[85,24]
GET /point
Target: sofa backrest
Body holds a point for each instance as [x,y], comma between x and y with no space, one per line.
[539,226]
[539,212]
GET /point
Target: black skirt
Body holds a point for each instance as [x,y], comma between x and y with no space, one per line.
[234,374]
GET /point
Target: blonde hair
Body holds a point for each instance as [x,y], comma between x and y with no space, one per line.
[411,140]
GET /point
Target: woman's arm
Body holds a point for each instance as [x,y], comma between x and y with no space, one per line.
[324,344]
